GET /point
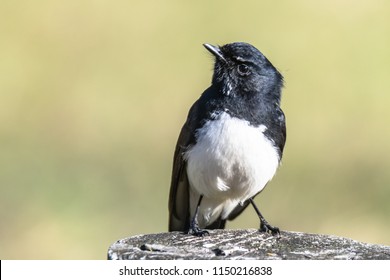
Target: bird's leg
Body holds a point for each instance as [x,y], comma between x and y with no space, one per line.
[194,226]
[264,225]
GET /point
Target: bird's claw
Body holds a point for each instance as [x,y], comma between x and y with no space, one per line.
[196,231]
[265,227]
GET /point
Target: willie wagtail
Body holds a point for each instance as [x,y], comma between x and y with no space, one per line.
[231,144]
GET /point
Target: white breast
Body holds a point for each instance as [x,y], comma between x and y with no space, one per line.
[230,163]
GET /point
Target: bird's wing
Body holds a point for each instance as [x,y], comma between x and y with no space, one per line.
[281,122]
[179,212]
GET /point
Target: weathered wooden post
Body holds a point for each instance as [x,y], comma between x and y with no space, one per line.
[244,244]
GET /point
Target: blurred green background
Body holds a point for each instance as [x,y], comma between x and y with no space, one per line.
[93,95]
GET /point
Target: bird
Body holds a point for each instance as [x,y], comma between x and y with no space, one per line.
[231,144]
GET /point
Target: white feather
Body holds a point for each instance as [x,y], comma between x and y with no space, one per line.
[230,163]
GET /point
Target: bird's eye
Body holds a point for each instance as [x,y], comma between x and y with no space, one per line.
[243,70]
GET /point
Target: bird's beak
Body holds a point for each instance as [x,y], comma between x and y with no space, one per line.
[215,50]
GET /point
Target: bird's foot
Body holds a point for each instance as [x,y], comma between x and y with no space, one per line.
[266,227]
[196,231]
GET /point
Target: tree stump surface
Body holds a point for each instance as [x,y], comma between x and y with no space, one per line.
[244,244]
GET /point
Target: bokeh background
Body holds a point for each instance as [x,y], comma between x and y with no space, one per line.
[93,95]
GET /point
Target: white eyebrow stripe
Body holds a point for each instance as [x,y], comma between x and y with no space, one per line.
[239,58]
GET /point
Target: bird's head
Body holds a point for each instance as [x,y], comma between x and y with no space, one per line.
[241,69]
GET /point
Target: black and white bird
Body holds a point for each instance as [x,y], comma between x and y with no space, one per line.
[231,144]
